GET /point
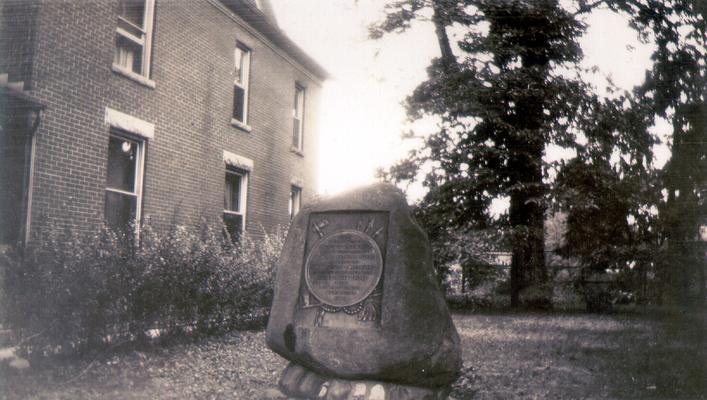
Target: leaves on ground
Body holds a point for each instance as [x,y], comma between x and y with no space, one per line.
[235,366]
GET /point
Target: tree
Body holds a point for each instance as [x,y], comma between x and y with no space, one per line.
[509,88]
[676,89]
[610,228]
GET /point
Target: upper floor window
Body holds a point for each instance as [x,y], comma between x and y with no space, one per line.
[133,41]
[240,84]
[124,181]
[298,118]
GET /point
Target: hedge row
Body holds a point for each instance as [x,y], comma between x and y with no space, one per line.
[73,292]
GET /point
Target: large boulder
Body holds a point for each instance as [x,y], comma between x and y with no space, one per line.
[356,295]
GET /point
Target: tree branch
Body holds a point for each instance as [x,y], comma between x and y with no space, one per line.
[440,22]
[589,7]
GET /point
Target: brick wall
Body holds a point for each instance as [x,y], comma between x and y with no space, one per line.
[190,106]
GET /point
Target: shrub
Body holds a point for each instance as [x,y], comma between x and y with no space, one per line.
[74,292]
[486,287]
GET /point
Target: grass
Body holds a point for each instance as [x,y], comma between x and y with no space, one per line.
[582,356]
[507,356]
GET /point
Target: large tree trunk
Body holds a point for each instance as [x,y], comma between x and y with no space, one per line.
[529,277]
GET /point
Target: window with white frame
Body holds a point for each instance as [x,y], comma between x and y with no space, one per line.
[240,84]
[298,118]
[234,201]
[295,200]
[124,178]
[134,36]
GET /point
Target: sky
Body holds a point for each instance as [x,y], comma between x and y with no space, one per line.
[361,112]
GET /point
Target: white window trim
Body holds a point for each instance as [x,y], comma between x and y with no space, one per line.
[291,203]
[30,187]
[128,123]
[131,128]
[132,75]
[299,115]
[240,125]
[145,42]
[243,199]
[128,35]
[236,161]
[245,165]
[245,84]
[139,174]
[139,40]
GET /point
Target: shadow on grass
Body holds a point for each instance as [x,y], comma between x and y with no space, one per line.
[670,364]
[515,355]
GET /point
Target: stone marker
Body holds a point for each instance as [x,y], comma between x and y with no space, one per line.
[357,310]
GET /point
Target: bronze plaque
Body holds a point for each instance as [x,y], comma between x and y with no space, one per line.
[344,268]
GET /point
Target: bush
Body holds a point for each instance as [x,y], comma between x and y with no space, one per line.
[487,287]
[71,292]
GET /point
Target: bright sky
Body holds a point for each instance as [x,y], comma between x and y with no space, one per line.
[361,110]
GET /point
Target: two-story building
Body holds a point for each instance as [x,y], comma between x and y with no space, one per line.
[119,110]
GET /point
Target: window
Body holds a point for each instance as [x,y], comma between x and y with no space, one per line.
[240,84]
[234,201]
[134,36]
[124,181]
[295,201]
[297,118]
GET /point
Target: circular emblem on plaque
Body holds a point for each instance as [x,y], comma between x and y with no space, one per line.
[344,268]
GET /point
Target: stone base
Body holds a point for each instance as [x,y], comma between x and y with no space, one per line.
[299,383]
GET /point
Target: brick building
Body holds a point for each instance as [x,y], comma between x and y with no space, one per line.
[118,110]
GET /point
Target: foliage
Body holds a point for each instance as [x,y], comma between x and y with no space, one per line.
[675,90]
[73,292]
[489,293]
[451,246]
[677,84]
[508,86]
[501,100]
[469,267]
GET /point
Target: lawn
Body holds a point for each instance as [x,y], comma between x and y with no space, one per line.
[579,356]
[507,356]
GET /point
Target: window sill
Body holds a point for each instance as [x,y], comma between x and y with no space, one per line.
[240,125]
[133,76]
[297,151]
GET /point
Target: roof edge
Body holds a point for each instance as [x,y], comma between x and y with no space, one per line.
[261,23]
[19,99]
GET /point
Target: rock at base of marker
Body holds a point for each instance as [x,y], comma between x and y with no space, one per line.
[299,383]
[273,394]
